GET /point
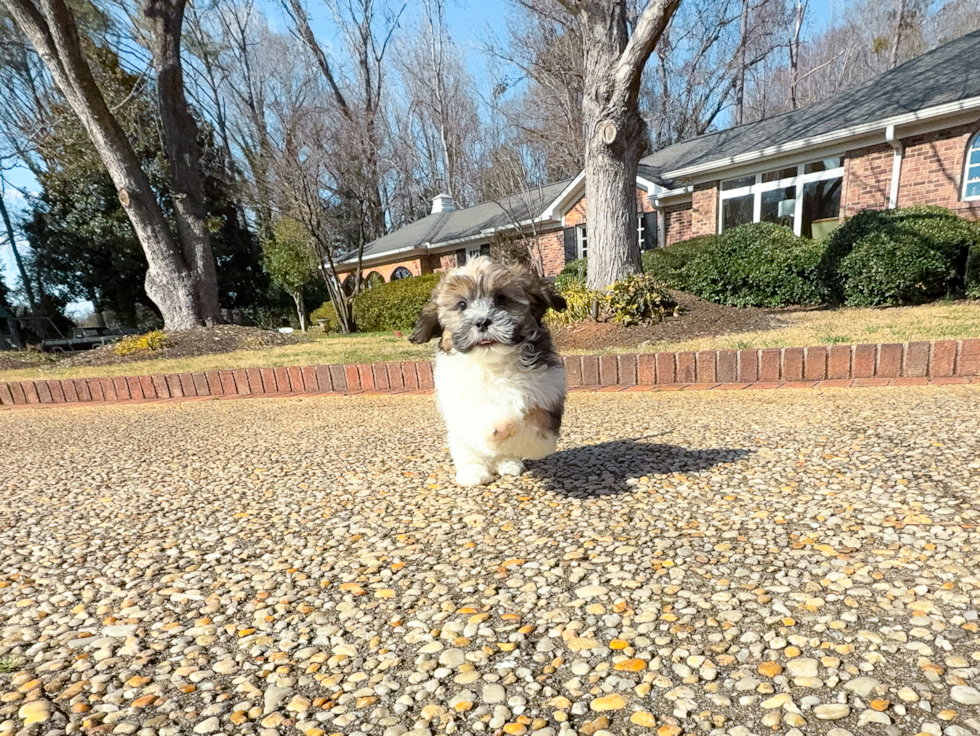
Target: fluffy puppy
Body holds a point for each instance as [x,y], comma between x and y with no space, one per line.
[500,387]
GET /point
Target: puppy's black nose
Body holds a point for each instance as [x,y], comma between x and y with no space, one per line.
[483,323]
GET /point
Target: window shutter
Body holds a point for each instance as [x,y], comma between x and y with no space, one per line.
[649,231]
[571,246]
[461,257]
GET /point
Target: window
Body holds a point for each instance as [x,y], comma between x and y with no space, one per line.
[582,241]
[779,206]
[805,198]
[373,279]
[971,176]
[400,273]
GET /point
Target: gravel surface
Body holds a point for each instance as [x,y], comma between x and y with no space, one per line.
[796,562]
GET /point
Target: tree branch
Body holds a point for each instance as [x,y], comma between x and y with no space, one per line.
[649,28]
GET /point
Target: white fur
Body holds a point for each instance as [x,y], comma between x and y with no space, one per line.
[487,390]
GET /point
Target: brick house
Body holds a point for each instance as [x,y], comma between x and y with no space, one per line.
[910,136]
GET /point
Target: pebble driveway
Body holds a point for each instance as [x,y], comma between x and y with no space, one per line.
[798,562]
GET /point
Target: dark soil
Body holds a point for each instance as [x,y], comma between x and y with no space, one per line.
[191,343]
[10,364]
[696,318]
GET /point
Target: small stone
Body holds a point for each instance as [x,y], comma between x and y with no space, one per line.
[120,631]
[642,718]
[803,667]
[591,591]
[777,701]
[965,695]
[831,711]
[614,701]
[452,658]
[669,729]
[494,694]
[862,686]
[37,711]
[770,669]
[873,716]
[208,726]
[880,705]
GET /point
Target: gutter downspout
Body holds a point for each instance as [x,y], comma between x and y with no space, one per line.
[899,148]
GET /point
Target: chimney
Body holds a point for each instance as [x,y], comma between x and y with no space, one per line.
[443,203]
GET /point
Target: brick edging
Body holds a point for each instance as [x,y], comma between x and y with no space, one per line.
[866,364]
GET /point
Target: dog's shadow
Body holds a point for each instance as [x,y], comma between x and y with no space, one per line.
[604,469]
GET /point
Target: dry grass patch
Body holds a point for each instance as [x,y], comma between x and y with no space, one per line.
[940,321]
[321,350]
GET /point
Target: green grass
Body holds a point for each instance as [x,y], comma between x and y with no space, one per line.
[10,664]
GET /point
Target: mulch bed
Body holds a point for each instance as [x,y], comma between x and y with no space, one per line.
[191,343]
[697,318]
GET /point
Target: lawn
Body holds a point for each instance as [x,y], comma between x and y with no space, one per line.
[320,350]
[939,321]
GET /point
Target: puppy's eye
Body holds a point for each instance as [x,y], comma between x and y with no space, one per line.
[500,300]
[461,305]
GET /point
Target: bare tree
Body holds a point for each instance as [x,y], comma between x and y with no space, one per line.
[615,133]
[178,280]
[444,123]
[794,49]
[367,32]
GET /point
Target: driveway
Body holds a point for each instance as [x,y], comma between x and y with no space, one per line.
[738,562]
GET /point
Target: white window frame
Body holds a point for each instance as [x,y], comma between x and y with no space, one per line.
[639,229]
[759,187]
[581,241]
[974,146]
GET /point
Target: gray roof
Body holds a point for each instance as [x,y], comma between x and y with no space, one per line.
[440,229]
[947,74]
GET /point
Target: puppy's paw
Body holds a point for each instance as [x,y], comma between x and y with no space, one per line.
[504,429]
[510,466]
[473,475]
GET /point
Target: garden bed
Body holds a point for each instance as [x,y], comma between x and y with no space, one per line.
[697,318]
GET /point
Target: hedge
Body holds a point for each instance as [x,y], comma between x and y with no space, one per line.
[757,265]
[667,265]
[910,255]
[387,307]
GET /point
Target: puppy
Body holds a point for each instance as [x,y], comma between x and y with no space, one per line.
[500,387]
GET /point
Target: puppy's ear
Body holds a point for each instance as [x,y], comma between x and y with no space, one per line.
[427,326]
[542,295]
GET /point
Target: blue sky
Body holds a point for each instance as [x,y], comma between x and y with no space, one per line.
[470,21]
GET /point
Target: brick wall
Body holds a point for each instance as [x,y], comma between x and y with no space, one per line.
[577,214]
[932,171]
[704,205]
[418,266]
[867,179]
[677,222]
[552,249]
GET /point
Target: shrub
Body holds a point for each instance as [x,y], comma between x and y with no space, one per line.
[579,300]
[327,312]
[758,265]
[386,307]
[667,265]
[639,299]
[573,272]
[903,256]
[131,344]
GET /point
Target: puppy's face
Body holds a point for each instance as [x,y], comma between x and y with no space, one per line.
[485,305]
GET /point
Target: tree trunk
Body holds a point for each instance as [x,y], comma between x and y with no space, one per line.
[32,302]
[742,43]
[300,309]
[899,21]
[170,281]
[794,53]
[165,20]
[615,134]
